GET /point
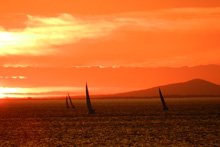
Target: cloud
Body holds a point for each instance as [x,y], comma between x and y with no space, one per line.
[178,19]
[43,33]
[13,77]
[64,35]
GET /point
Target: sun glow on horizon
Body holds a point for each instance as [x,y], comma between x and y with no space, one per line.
[4,90]
[58,91]
[39,91]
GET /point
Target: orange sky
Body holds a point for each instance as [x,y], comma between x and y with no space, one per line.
[65,34]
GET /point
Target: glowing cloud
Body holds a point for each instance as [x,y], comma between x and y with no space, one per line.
[42,33]
[43,36]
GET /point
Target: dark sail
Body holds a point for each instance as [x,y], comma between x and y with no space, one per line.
[71,102]
[162,100]
[91,111]
[67,104]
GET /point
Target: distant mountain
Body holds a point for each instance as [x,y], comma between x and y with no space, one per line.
[195,87]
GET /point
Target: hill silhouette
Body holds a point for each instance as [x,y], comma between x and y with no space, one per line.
[195,87]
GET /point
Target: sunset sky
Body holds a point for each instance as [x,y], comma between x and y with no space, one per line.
[50,47]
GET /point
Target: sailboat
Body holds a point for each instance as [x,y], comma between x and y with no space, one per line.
[89,105]
[71,102]
[67,104]
[162,100]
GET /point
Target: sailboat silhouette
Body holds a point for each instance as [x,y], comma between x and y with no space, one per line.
[71,102]
[67,104]
[162,100]
[89,105]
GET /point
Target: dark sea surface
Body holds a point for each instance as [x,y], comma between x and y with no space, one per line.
[117,122]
